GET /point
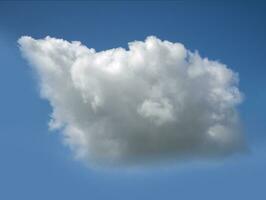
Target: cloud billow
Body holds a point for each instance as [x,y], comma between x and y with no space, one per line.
[155,101]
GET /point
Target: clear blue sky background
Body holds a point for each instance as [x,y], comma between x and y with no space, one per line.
[33,162]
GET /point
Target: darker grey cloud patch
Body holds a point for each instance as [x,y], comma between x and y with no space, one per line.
[155,101]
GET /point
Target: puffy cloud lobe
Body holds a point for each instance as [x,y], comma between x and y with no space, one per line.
[154,101]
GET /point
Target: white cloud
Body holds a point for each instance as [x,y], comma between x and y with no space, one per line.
[154,101]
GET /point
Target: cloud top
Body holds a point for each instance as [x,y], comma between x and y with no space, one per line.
[155,101]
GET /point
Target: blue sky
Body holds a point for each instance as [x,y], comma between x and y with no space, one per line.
[34,163]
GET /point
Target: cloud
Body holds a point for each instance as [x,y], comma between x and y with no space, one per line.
[155,101]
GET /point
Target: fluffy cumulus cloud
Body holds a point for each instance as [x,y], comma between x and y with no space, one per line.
[155,100]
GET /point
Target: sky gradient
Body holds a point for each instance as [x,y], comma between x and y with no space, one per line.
[34,162]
